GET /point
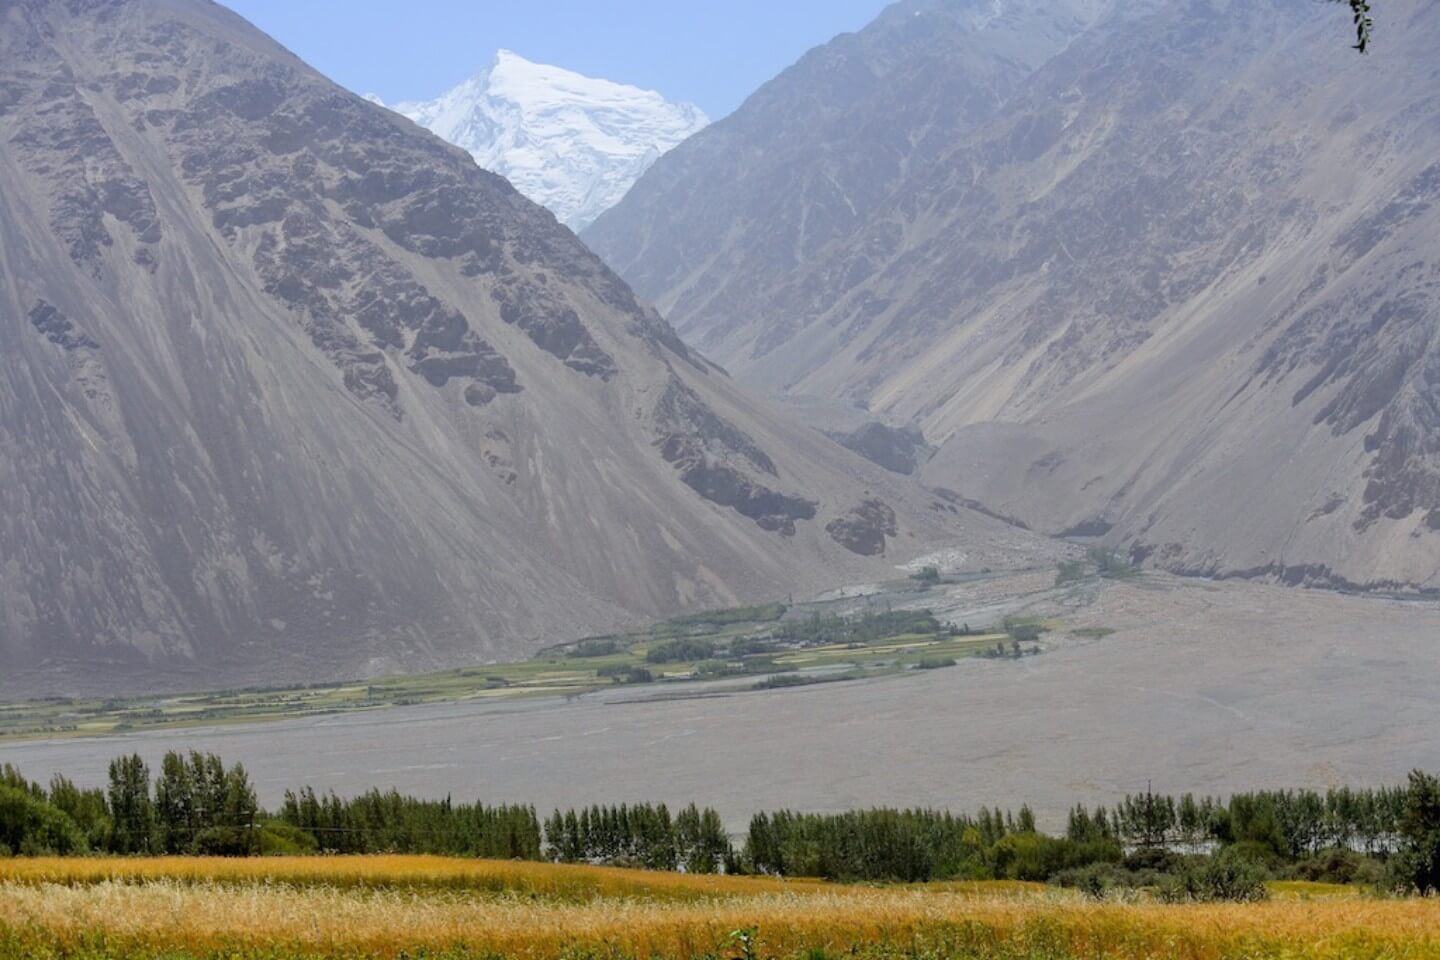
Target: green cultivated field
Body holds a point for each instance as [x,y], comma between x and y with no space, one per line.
[776,645]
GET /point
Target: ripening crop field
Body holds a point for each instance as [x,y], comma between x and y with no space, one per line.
[413,907]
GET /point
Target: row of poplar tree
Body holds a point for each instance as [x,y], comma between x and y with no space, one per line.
[642,835]
[377,822]
[1291,823]
[1282,827]
[639,835]
[195,804]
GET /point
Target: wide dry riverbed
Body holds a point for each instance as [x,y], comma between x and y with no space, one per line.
[1202,687]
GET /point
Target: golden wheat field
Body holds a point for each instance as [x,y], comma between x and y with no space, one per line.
[416,907]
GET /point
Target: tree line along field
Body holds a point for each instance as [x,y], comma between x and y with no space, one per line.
[1282,873]
[775,644]
[197,805]
[1186,849]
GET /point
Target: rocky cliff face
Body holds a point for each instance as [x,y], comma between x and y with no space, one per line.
[1179,286]
[289,387]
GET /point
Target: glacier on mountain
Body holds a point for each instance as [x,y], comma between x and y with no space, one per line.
[572,143]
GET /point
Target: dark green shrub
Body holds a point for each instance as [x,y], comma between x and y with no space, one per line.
[1024,629]
[1094,880]
[935,663]
[1234,878]
[1155,860]
[280,839]
[1098,879]
[783,680]
[1337,865]
[1225,877]
[1037,857]
[226,842]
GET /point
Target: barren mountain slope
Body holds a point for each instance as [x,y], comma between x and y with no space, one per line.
[1182,292]
[809,157]
[289,386]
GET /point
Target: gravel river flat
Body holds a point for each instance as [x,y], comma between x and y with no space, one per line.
[1203,687]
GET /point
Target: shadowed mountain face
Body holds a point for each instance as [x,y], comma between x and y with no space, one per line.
[1180,287]
[289,387]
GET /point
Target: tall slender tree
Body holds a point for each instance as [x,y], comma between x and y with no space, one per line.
[131,810]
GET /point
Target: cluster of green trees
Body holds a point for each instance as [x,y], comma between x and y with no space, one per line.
[1278,824]
[377,822]
[868,627]
[1106,562]
[764,613]
[643,835]
[596,647]
[30,825]
[201,807]
[751,650]
[682,650]
[626,673]
[196,806]
[1111,563]
[815,630]
[914,846]
[1187,848]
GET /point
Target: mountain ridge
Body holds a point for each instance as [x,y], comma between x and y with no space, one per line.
[1179,287]
[783,171]
[291,388]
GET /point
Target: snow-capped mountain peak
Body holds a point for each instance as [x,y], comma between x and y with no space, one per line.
[573,143]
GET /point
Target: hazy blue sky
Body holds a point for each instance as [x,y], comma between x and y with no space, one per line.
[712,54]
